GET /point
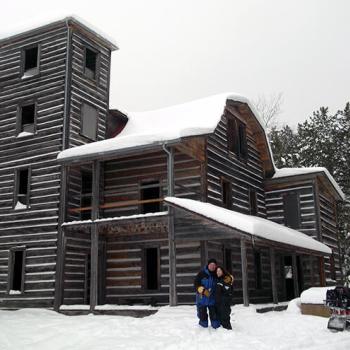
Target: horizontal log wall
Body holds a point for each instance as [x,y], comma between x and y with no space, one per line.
[76,266]
[83,89]
[243,175]
[275,205]
[34,228]
[123,177]
[329,234]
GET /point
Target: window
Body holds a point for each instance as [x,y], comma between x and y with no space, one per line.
[151,277]
[31,61]
[291,210]
[150,192]
[258,270]
[89,118]
[253,202]
[26,122]
[237,138]
[86,195]
[90,67]
[226,188]
[332,268]
[228,259]
[16,270]
[22,189]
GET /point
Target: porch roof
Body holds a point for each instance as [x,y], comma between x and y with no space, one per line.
[252,225]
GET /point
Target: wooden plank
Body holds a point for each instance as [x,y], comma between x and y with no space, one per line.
[244,273]
[295,276]
[273,276]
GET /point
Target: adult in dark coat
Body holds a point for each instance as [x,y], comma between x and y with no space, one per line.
[205,285]
[223,296]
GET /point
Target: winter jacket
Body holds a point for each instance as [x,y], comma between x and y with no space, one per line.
[224,289]
[208,280]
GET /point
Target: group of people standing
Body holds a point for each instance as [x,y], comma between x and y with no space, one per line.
[214,288]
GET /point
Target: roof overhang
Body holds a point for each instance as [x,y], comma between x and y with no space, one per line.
[233,221]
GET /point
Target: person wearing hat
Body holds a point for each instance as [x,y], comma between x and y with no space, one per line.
[205,284]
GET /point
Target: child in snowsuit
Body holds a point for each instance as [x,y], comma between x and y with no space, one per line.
[205,284]
[223,296]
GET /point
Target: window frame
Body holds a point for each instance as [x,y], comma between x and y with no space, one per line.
[16,187]
[144,269]
[140,188]
[19,116]
[36,71]
[82,119]
[85,195]
[11,266]
[95,79]
[235,143]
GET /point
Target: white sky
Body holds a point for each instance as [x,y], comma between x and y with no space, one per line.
[179,50]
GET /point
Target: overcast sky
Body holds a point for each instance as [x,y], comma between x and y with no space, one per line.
[180,50]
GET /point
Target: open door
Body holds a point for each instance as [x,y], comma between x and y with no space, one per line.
[288,277]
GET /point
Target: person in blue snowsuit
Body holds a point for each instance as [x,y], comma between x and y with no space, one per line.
[205,284]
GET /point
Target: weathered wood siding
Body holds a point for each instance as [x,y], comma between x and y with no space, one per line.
[329,234]
[124,176]
[34,228]
[305,191]
[244,175]
[83,89]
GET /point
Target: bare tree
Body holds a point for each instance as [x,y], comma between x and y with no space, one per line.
[269,108]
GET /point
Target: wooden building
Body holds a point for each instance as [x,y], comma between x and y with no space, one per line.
[102,207]
[52,78]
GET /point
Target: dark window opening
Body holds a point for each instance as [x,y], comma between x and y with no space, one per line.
[31,59]
[228,259]
[232,135]
[258,270]
[150,192]
[89,118]
[90,63]
[17,270]
[86,194]
[22,188]
[27,118]
[237,138]
[243,151]
[152,269]
[226,194]
[291,210]
[253,202]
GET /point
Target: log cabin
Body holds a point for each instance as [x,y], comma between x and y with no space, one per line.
[100,206]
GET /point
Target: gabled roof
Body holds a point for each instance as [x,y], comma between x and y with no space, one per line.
[167,125]
[294,172]
[253,225]
[35,26]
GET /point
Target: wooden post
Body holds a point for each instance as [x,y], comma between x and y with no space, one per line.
[273,276]
[171,230]
[59,280]
[94,234]
[244,273]
[321,271]
[295,276]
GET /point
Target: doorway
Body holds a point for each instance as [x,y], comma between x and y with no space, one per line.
[288,277]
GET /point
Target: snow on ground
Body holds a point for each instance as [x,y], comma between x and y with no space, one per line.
[171,328]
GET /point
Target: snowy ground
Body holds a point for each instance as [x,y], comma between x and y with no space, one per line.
[170,328]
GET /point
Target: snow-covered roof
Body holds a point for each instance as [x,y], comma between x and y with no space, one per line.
[286,172]
[252,225]
[193,118]
[31,25]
